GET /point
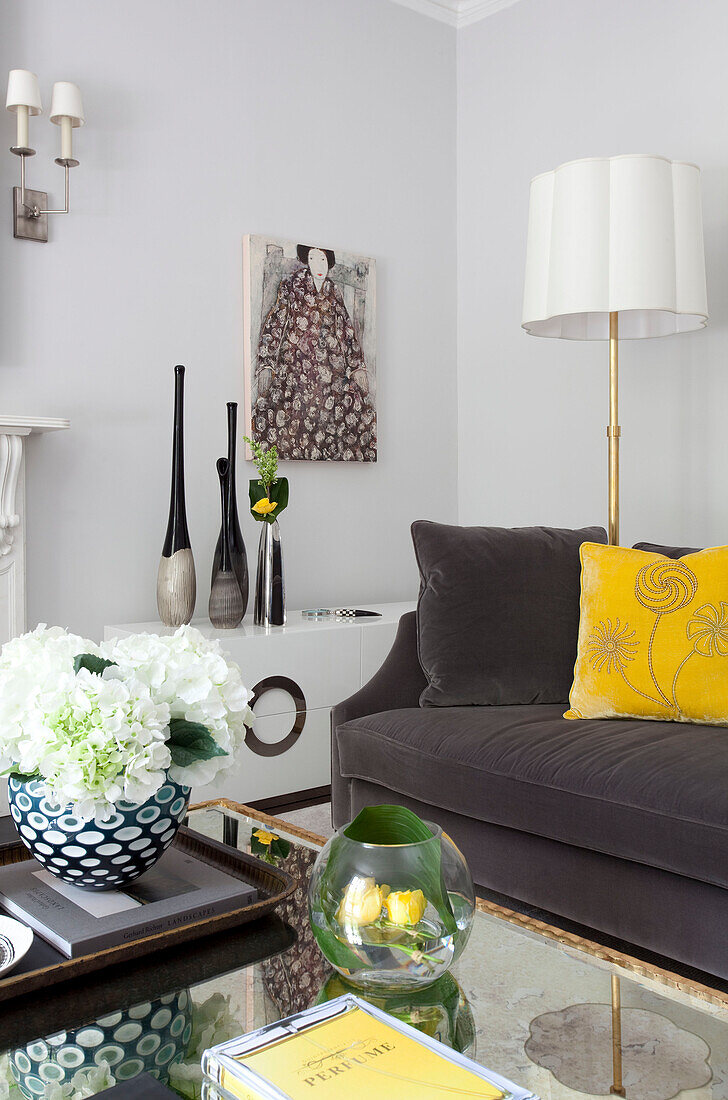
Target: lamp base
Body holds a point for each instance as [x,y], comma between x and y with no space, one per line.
[26,228]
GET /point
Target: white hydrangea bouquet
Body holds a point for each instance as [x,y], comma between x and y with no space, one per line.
[103,724]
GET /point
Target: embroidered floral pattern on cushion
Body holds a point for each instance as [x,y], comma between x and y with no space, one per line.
[641,638]
[709,630]
[665,586]
[612,646]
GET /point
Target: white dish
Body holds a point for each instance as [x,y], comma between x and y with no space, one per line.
[15,941]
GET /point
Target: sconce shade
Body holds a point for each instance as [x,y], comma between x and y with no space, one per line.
[66,103]
[615,234]
[23,91]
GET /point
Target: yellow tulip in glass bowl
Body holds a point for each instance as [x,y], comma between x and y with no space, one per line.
[391,901]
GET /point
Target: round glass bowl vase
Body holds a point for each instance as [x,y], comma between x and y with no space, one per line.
[100,854]
[391,917]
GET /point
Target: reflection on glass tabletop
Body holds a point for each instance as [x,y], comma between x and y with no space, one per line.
[557,1014]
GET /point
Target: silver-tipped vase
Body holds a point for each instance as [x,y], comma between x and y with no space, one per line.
[238,556]
[226,607]
[270,589]
[176,582]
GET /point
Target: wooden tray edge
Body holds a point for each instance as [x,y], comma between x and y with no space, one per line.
[16,984]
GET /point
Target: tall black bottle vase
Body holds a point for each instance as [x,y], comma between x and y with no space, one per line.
[226,600]
[176,581]
[238,555]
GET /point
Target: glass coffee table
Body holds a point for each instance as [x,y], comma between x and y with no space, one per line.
[557,1014]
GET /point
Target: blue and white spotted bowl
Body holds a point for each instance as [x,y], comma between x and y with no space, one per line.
[98,855]
[147,1038]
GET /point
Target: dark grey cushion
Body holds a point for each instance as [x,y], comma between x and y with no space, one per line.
[498,612]
[654,792]
[666,551]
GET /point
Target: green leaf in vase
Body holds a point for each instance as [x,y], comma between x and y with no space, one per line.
[336,950]
[276,850]
[280,848]
[277,494]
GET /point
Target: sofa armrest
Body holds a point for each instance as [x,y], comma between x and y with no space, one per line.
[398,684]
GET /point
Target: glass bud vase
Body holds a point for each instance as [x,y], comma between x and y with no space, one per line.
[391,917]
[270,589]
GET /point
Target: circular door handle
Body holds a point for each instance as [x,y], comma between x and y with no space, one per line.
[281,683]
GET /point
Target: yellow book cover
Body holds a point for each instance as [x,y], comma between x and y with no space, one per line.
[357,1056]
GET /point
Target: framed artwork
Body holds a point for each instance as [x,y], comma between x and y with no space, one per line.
[310,350]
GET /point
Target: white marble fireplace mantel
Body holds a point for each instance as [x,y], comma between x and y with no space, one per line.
[13,433]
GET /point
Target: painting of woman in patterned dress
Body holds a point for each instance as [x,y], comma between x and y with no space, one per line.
[312,388]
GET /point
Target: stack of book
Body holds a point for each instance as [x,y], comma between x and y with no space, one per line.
[346,1048]
[178,890]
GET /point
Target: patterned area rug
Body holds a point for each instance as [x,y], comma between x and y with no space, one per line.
[315,819]
[659,1059]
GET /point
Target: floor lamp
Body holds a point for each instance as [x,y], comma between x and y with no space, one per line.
[615,249]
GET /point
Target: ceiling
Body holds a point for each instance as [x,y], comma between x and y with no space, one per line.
[458,13]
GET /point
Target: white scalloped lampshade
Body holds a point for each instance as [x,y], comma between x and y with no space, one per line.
[23,91]
[66,103]
[615,233]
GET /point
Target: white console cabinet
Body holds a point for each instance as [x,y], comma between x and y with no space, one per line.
[297,672]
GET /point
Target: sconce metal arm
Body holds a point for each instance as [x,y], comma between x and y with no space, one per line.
[65,164]
[34,211]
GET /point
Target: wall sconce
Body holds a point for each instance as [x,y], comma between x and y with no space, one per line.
[30,208]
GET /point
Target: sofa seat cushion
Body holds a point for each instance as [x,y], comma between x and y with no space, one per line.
[653,792]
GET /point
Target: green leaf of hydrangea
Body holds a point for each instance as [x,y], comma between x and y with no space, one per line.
[190,742]
[91,662]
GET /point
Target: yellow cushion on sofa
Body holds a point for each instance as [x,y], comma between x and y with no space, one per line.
[653,636]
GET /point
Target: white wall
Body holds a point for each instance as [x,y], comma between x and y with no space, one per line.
[328,120]
[540,83]
[336,120]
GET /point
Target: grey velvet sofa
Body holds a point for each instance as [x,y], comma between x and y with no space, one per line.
[621,826]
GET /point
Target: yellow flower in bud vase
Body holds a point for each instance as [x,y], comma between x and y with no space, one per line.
[264,506]
[405,907]
[362,902]
[265,837]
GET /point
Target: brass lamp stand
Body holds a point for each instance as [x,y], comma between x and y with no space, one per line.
[613,431]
